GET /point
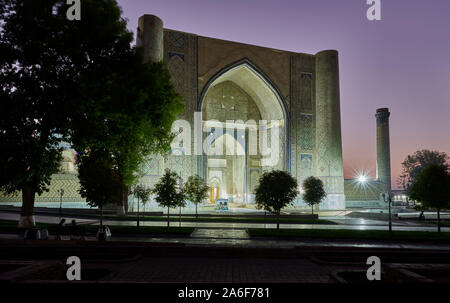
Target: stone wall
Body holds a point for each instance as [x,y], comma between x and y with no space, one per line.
[68,181]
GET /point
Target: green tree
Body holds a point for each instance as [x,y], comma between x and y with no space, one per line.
[45,61]
[432,189]
[196,191]
[132,116]
[31,129]
[99,182]
[168,192]
[415,163]
[142,194]
[276,190]
[314,192]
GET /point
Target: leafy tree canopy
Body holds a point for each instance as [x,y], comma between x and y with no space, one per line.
[168,191]
[432,187]
[276,189]
[133,115]
[314,191]
[79,82]
[415,163]
[196,189]
[99,182]
[32,77]
[45,58]
[142,193]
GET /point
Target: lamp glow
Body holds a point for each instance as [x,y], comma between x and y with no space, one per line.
[362,179]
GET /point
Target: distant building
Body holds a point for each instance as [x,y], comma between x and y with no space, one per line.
[400,195]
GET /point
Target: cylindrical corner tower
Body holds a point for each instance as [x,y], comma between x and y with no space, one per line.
[383,149]
[150,35]
[329,165]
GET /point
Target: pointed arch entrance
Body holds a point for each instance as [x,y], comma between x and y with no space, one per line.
[238,145]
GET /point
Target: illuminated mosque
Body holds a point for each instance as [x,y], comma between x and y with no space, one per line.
[250,109]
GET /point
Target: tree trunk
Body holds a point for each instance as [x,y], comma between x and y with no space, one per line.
[125,193]
[278,220]
[168,218]
[312,212]
[439,219]
[138,213]
[101,218]
[27,212]
[196,212]
[121,210]
[180,218]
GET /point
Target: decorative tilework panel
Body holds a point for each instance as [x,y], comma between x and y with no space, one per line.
[176,68]
[306,137]
[176,39]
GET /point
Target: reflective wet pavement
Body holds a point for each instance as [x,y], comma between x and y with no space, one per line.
[268,243]
[347,223]
[216,233]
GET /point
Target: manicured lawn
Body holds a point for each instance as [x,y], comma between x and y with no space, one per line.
[348,234]
[154,230]
[225,218]
[230,219]
[11,226]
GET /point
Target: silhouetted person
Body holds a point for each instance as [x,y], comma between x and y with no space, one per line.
[74,230]
[421,216]
[60,228]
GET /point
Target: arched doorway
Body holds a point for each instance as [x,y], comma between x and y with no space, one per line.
[244,131]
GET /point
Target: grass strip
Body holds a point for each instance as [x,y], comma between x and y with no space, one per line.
[349,234]
[11,226]
[175,218]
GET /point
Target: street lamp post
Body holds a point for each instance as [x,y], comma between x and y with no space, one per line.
[138,213]
[61,194]
[363,179]
[390,202]
[180,188]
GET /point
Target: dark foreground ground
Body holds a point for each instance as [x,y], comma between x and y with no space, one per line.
[45,261]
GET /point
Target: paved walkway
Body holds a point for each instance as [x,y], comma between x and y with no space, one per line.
[369,224]
[342,220]
[208,264]
[243,270]
[216,233]
[214,237]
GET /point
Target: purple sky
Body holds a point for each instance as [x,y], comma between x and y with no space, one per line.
[401,62]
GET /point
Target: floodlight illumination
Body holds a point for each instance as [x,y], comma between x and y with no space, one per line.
[362,179]
[301,190]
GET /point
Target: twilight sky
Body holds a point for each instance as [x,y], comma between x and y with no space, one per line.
[401,62]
